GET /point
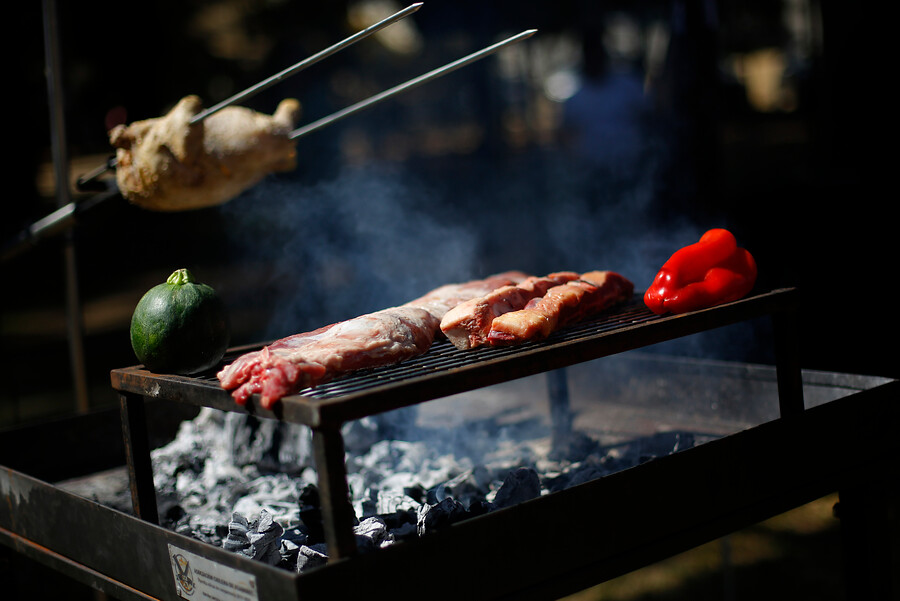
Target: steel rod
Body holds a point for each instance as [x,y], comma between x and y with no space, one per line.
[308,62]
[87,178]
[74,318]
[412,83]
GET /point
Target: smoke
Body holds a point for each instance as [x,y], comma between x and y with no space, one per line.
[337,240]
[381,235]
[350,245]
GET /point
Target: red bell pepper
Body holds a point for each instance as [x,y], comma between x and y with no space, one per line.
[704,274]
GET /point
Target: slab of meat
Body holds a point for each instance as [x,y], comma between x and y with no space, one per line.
[468,324]
[568,303]
[169,164]
[372,340]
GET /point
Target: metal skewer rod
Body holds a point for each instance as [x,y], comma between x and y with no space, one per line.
[417,81]
[296,68]
[97,172]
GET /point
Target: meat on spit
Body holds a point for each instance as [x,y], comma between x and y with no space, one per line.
[169,163]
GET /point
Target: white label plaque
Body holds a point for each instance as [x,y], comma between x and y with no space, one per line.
[199,578]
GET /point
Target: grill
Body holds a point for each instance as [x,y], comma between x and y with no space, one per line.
[440,372]
[595,530]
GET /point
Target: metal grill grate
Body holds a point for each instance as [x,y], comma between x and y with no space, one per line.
[444,357]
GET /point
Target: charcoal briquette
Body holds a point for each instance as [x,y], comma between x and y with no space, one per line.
[440,515]
[311,557]
[480,507]
[520,485]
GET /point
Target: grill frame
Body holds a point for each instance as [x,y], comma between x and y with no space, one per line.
[634,517]
[628,327]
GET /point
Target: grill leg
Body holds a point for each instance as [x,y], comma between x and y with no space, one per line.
[787,363]
[560,411]
[137,454]
[337,511]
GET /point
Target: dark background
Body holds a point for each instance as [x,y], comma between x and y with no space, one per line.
[475,173]
[479,172]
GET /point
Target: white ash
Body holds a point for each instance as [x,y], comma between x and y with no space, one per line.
[249,485]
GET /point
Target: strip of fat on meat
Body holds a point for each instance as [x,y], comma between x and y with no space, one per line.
[372,340]
[568,303]
[443,299]
[468,324]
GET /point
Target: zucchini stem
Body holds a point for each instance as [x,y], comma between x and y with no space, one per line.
[180,277]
